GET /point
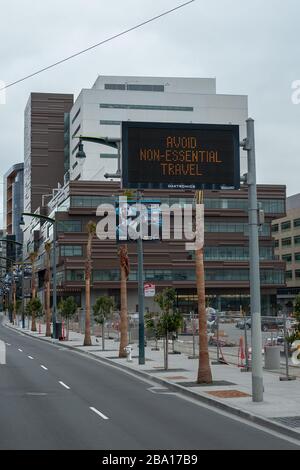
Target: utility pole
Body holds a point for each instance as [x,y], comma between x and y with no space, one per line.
[257,366]
[141,288]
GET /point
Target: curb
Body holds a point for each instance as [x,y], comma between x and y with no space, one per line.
[262,421]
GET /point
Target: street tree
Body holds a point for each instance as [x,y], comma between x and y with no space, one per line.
[67,308]
[34,309]
[124,270]
[152,322]
[91,230]
[170,319]
[295,336]
[102,311]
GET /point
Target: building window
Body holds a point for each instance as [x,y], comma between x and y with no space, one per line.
[297,240]
[75,275]
[296,223]
[289,275]
[271,206]
[297,257]
[286,242]
[297,274]
[146,107]
[106,122]
[106,275]
[69,226]
[76,115]
[159,88]
[114,86]
[75,132]
[286,226]
[90,201]
[71,250]
[287,258]
[75,148]
[276,244]
[275,228]
[234,253]
[215,227]
[108,155]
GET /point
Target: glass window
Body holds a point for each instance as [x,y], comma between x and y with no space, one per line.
[288,275]
[108,155]
[69,226]
[71,250]
[114,86]
[106,122]
[286,225]
[297,257]
[75,132]
[272,206]
[287,258]
[106,275]
[90,201]
[297,223]
[146,88]
[297,274]
[145,107]
[236,253]
[276,243]
[286,242]
[297,240]
[76,115]
[275,228]
[76,275]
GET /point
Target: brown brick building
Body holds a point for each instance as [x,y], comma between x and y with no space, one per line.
[166,263]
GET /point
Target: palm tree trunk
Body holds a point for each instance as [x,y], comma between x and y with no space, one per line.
[123,300]
[204,371]
[48,311]
[87,330]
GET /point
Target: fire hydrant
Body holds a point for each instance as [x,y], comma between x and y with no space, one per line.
[128,350]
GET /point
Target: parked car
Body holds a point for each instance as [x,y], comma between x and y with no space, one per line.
[267,323]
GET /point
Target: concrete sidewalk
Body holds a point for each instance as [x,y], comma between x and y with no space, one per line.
[231,390]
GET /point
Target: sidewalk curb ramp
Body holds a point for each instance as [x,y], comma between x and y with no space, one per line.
[260,420]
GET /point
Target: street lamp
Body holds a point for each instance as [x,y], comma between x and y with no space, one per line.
[53,223]
[5,240]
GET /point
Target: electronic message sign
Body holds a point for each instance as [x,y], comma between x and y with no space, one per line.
[180,156]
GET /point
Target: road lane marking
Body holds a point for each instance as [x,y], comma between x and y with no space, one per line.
[30,357]
[43,367]
[7,344]
[64,385]
[21,350]
[98,412]
[2,353]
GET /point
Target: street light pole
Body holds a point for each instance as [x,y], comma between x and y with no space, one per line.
[141,290]
[257,366]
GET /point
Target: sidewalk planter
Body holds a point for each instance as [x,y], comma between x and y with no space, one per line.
[272,357]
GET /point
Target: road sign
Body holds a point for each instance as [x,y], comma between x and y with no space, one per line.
[180,156]
[149,290]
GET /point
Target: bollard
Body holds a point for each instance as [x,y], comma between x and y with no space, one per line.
[128,350]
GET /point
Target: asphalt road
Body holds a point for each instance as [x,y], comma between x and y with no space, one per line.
[55,398]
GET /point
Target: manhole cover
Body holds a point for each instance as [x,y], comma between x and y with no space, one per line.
[289,421]
[216,383]
[229,394]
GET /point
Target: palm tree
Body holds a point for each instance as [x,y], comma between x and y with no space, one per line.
[91,229]
[204,370]
[33,257]
[124,269]
[47,289]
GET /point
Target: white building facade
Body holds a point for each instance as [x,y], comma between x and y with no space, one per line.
[99,111]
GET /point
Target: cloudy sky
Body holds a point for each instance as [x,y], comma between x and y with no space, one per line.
[251,48]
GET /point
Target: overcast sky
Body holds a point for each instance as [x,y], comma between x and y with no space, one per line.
[251,48]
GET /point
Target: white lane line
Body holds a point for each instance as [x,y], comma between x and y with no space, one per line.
[98,412]
[7,344]
[21,350]
[64,385]
[43,367]
[30,357]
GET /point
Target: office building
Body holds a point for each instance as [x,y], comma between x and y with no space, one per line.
[44,146]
